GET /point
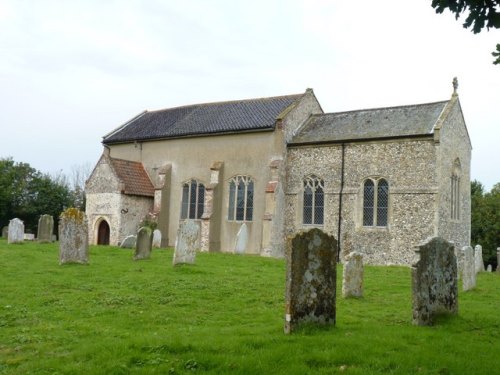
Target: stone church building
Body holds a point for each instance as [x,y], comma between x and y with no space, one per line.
[380,180]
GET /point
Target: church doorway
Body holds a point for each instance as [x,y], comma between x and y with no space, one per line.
[103,233]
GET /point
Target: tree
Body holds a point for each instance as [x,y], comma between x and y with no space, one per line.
[481,14]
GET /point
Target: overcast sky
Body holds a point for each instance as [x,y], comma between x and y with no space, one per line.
[71,71]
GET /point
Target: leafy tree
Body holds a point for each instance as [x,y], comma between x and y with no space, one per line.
[481,14]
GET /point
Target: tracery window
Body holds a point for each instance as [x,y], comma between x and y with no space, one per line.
[193,197]
[375,203]
[314,198]
[240,198]
[455,190]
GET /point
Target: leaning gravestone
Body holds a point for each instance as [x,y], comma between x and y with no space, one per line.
[310,279]
[434,281]
[352,278]
[45,228]
[143,244]
[241,240]
[129,242]
[156,238]
[478,256]
[5,232]
[469,269]
[73,237]
[16,231]
[186,243]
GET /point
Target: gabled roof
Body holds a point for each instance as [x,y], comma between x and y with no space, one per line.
[204,119]
[378,123]
[133,176]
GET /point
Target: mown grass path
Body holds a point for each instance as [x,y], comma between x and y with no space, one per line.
[222,315]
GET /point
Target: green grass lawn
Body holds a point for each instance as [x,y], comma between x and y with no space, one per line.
[222,315]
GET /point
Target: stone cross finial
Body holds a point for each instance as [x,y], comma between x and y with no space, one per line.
[455,85]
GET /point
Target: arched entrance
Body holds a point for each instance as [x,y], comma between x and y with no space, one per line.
[103,233]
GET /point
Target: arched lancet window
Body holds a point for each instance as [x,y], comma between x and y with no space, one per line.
[313,207]
[375,203]
[240,198]
[193,197]
[455,190]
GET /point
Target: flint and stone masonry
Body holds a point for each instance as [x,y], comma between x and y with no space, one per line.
[311,279]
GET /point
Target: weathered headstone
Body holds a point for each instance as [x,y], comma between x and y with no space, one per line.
[45,228]
[352,278]
[469,269]
[498,259]
[478,256]
[16,231]
[434,281]
[129,242]
[186,243]
[144,243]
[241,239]
[310,279]
[73,237]
[156,238]
[29,237]
[5,232]
[489,268]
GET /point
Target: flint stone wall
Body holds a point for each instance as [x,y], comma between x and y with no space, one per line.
[311,279]
[73,237]
[434,281]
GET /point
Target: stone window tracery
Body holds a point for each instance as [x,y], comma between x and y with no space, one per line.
[314,198]
[193,196]
[241,190]
[375,203]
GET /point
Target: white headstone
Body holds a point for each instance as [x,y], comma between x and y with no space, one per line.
[156,238]
[489,268]
[186,242]
[478,257]
[469,269]
[16,231]
[129,242]
[29,237]
[352,278]
[241,239]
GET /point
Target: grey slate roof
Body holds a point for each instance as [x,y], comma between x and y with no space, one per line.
[404,121]
[203,119]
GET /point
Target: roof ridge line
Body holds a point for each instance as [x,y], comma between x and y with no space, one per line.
[381,108]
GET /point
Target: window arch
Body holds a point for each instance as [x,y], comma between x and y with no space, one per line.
[193,197]
[375,203]
[314,200]
[455,190]
[241,189]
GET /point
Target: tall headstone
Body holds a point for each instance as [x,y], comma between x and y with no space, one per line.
[144,243]
[16,231]
[241,239]
[186,243]
[434,281]
[310,279]
[45,228]
[498,259]
[129,242]
[156,238]
[489,268]
[469,269]
[5,232]
[352,278]
[73,237]
[478,256]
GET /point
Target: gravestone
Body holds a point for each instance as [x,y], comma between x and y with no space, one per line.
[352,278]
[29,237]
[489,268]
[144,243]
[310,279]
[129,242]
[434,281]
[498,259]
[469,269]
[16,231]
[5,232]
[478,256]
[45,228]
[73,237]
[241,240]
[186,243]
[156,238]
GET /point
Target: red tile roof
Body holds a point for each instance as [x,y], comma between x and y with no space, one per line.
[134,177]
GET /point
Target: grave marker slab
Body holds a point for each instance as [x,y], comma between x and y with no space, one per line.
[241,239]
[498,259]
[434,281]
[45,228]
[129,242]
[310,279]
[186,243]
[16,231]
[469,269]
[144,244]
[478,256]
[5,232]
[73,237]
[352,278]
[489,268]
[156,238]
[29,237]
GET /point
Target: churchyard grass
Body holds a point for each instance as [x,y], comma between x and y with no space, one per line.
[223,314]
